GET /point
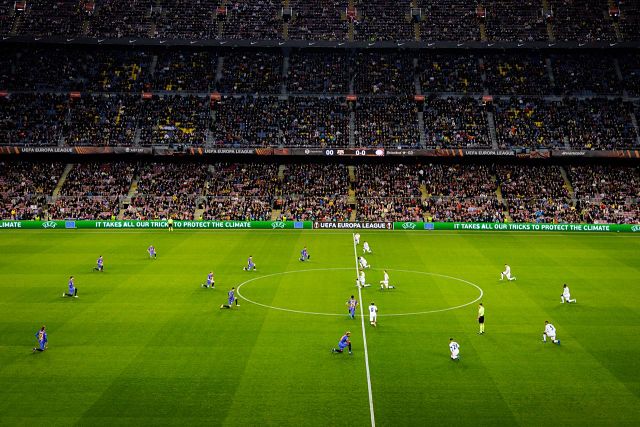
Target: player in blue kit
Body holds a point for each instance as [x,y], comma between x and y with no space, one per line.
[73,291]
[99,264]
[352,304]
[250,265]
[41,336]
[210,282]
[152,252]
[344,343]
[304,254]
[231,300]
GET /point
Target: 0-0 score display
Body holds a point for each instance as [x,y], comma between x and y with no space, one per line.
[354,152]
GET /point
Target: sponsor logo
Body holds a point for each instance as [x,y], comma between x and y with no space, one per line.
[278,224]
[635,228]
[49,224]
[408,226]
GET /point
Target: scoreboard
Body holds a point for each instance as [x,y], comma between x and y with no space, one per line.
[339,152]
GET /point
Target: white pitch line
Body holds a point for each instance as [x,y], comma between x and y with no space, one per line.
[364,337]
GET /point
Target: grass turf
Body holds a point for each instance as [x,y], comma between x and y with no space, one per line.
[144,344]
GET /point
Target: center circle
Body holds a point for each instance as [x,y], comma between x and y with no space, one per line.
[414,313]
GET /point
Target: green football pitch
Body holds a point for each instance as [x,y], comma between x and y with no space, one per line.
[144,344]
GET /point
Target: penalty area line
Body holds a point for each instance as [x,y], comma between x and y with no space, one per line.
[364,336]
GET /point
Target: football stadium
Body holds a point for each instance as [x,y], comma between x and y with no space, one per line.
[318,213]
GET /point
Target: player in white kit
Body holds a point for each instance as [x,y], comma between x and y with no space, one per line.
[549,331]
[454,348]
[507,273]
[362,281]
[356,238]
[365,248]
[363,263]
[566,295]
[373,314]
[384,283]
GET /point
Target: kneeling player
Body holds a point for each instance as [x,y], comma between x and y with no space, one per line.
[454,348]
[362,280]
[549,331]
[250,265]
[343,343]
[73,291]
[99,264]
[304,254]
[507,273]
[210,282]
[231,300]
[365,248]
[384,283]
[566,295]
[363,263]
[41,336]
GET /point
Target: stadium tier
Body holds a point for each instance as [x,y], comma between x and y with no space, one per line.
[318,98]
[322,192]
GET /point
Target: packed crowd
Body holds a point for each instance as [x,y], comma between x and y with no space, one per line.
[536,194]
[443,72]
[252,72]
[180,70]
[606,194]
[388,192]
[240,192]
[318,20]
[572,77]
[386,122]
[382,20]
[383,73]
[32,119]
[268,121]
[372,20]
[174,119]
[26,188]
[315,193]
[318,72]
[591,124]
[523,20]
[102,120]
[517,75]
[323,192]
[455,122]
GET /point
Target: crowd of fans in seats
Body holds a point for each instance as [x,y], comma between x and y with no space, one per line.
[388,192]
[318,20]
[386,122]
[517,74]
[448,20]
[252,72]
[536,194]
[322,192]
[455,122]
[25,188]
[572,77]
[583,20]
[93,191]
[591,124]
[32,119]
[175,119]
[241,192]
[371,20]
[460,193]
[523,20]
[315,193]
[443,72]
[254,110]
[102,120]
[166,191]
[318,72]
[606,194]
[382,20]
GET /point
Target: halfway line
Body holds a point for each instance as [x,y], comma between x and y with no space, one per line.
[364,336]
